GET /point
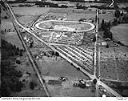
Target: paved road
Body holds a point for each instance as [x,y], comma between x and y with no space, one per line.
[41,79]
[95,52]
[34,65]
[65,57]
[83,60]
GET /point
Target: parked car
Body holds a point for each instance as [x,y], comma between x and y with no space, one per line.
[63,78]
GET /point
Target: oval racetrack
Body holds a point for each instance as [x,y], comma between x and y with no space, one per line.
[71,26]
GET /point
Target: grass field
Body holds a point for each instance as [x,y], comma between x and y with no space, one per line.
[114,64]
[29,10]
[55,68]
[120,33]
[10,35]
[61,68]
[51,67]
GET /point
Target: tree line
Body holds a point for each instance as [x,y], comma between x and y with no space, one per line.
[9,50]
[120,18]
[9,75]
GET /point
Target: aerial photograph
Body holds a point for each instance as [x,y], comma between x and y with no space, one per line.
[64,48]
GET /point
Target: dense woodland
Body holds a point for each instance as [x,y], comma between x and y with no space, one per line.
[9,75]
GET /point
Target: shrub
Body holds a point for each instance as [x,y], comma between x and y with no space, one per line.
[5,17]
[18,62]
[32,85]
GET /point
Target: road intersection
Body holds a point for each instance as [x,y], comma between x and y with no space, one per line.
[70,55]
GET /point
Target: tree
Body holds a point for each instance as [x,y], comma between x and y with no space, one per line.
[21,53]
[107,25]
[5,90]
[94,81]
[116,5]
[77,4]
[125,18]
[20,0]
[2,32]
[108,34]
[102,24]
[94,39]
[95,0]
[96,18]
[18,61]
[56,53]
[5,17]
[115,22]
[117,13]
[10,76]
[107,46]
[32,85]
[31,44]
[10,80]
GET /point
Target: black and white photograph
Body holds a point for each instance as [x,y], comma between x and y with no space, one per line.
[64,48]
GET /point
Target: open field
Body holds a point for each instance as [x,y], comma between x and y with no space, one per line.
[10,35]
[113,59]
[107,17]
[55,67]
[13,39]
[71,14]
[114,64]
[66,89]
[57,26]
[120,33]
[26,20]
[27,15]
[51,67]
[29,10]
[59,68]
[7,24]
